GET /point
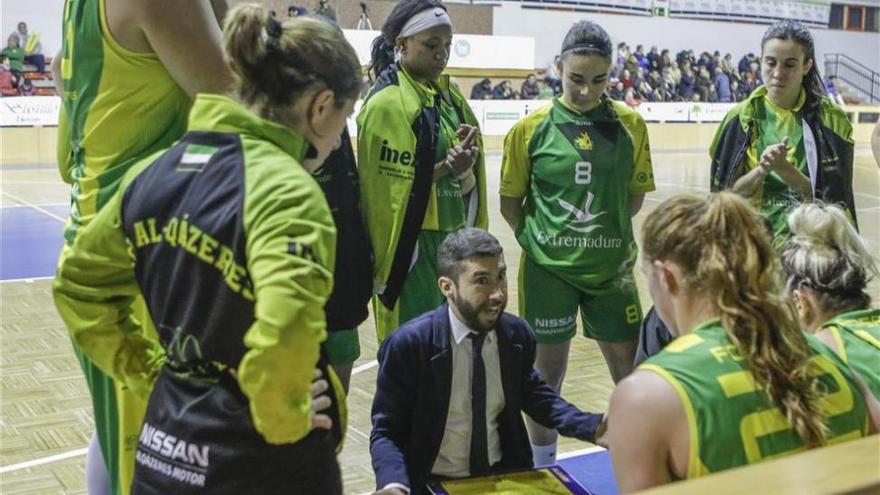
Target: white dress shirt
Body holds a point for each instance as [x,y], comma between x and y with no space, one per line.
[453,460]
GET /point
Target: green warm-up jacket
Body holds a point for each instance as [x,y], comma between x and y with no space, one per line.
[231,243]
[398,130]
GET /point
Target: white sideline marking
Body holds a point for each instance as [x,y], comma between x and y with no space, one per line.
[365,367]
[42,210]
[44,460]
[25,280]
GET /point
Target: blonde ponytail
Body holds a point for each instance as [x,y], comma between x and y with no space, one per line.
[721,244]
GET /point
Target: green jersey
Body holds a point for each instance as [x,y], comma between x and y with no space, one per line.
[577,172]
[119,107]
[732,422]
[122,106]
[857,335]
[775,199]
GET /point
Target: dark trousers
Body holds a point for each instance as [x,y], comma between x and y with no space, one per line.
[37,59]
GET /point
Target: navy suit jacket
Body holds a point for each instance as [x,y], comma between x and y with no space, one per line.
[412,399]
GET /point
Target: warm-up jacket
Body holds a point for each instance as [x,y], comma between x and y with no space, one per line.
[830,128]
[231,243]
[397,146]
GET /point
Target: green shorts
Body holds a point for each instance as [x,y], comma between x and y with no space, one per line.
[550,305]
[343,347]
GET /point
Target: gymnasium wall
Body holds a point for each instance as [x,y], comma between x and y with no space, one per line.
[468,19]
[42,16]
[549,27]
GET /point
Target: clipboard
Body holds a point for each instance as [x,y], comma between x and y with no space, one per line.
[553,480]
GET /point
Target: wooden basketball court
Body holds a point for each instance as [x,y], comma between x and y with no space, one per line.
[45,406]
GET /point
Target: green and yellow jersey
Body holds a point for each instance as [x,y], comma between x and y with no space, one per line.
[731,421]
[577,172]
[857,335]
[122,106]
[775,199]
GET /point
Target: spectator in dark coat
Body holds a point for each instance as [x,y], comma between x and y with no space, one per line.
[482,91]
[617,92]
[654,59]
[686,85]
[722,86]
[503,91]
[529,89]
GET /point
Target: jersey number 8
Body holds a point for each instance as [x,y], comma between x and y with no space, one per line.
[583,173]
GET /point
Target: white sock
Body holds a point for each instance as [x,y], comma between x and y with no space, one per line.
[544,455]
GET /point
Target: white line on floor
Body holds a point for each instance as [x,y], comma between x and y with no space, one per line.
[365,367]
[25,280]
[576,453]
[45,205]
[44,460]
[42,210]
[74,453]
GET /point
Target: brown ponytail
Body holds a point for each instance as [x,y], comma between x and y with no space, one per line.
[276,62]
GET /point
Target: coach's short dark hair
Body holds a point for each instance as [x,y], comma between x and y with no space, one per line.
[462,245]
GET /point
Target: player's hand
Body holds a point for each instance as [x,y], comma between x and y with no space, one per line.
[320,402]
[774,157]
[460,158]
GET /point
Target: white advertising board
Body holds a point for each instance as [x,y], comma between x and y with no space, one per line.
[29,111]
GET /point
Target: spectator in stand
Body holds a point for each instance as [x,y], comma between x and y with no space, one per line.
[746,62]
[617,92]
[482,90]
[626,79]
[832,91]
[326,11]
[529,89]
[641,58]
[674,74]
[15,53]
[722,86]
[687,84]
[33,49]
[665,59]
[727,66]
[631,99]
[654,59]
[503,91]
[621,54]
[737,91]
[26,88]
[702,83]
[644,90]
[545,90]
[712,96]
[7,79]
[630,62]
[714,62]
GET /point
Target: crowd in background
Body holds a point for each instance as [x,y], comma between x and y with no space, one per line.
[655,76]
[21,48]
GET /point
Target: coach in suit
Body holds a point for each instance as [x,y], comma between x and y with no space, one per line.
[452,383]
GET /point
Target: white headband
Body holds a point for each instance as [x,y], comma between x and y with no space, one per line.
[425,20]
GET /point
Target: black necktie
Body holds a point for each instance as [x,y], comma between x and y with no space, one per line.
[479,459]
